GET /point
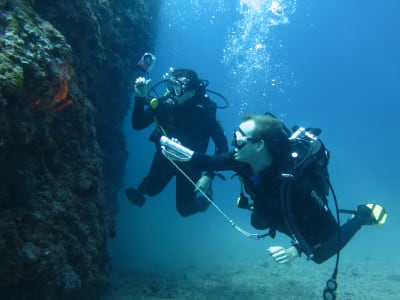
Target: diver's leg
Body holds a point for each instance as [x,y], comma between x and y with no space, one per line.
[374,215]
[333,245]
[161,172]
[188,201]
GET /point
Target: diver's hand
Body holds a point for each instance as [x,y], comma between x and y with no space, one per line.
[282,255]
[141,86]
[173,150]
[204,184]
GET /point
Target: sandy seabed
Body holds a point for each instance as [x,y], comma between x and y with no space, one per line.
[361,278]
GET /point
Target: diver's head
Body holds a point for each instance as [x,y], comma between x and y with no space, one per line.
[261,141]
[271,130]
[182,84]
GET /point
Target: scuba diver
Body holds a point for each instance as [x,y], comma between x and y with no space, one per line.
[285,174]
[289,194]
[185,112]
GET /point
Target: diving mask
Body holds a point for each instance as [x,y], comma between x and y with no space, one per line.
[240,139]
[176,86]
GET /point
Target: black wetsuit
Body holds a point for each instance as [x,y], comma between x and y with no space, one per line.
[302,214]
[193,123]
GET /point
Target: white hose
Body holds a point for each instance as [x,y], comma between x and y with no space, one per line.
[233,224]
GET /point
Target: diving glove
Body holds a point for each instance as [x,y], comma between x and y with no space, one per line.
[204,184]
[173,150]
[141,86]
[282,255]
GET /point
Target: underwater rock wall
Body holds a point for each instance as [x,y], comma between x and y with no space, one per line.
[66,70]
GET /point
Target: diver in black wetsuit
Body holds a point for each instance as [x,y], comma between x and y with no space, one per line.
[260,158]
[186,113]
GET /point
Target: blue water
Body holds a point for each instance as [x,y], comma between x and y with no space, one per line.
[328,64]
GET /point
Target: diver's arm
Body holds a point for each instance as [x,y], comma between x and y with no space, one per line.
[221,162]
[173,150]
[219,137]
[141,117]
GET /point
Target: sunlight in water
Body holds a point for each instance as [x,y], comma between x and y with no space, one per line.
[255,5]
[180,13]
[250,47]
[249,42]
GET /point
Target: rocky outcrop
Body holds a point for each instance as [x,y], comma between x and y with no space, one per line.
[65,82]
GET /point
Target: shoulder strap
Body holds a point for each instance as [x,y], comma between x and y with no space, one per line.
[297,239]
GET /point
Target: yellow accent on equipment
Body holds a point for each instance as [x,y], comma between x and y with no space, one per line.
[154,103]
[379,214]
